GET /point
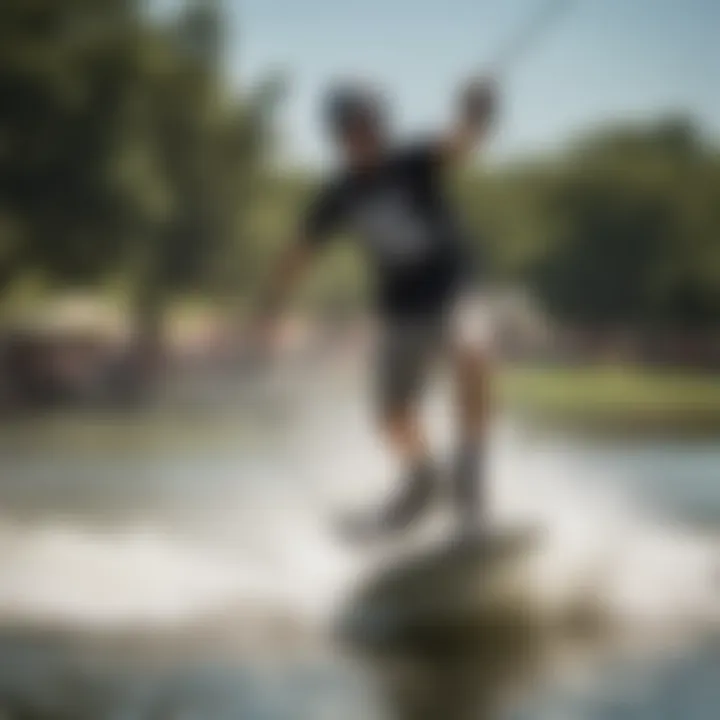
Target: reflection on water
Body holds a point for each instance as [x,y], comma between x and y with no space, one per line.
[182,566]
[92,676]
[681,687]
[76,676]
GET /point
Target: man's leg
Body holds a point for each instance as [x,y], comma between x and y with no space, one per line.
[472,370]
[405,355]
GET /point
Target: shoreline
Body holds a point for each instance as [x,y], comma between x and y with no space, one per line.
[615,400]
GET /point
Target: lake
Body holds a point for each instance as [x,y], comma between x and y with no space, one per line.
[180,563]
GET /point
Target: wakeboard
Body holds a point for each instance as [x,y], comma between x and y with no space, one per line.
[457,585]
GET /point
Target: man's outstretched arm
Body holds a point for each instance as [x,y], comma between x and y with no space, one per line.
[285,274]
[318,226]
[475,120]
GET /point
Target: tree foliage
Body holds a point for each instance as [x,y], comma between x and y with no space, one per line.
[623,229]
[124,149]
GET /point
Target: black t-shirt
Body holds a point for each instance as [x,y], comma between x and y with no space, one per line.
[398,211]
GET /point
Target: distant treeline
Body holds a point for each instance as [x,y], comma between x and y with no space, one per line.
[128,156]
[622,228]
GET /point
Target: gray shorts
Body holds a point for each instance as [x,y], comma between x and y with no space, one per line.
[406,354]
[409,350]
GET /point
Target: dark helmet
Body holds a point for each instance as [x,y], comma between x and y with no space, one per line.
[350,104]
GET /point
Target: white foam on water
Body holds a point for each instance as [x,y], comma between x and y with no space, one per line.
[60,572]
[602,544]
[278,548]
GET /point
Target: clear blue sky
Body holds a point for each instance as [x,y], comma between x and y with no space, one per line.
[606,60]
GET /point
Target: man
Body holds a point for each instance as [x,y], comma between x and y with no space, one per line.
[393,202]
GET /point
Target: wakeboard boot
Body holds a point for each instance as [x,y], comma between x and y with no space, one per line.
[405,507]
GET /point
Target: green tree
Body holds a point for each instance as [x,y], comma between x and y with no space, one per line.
[61,70]
[621,229]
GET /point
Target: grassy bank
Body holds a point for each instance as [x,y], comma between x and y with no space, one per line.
[615,399]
